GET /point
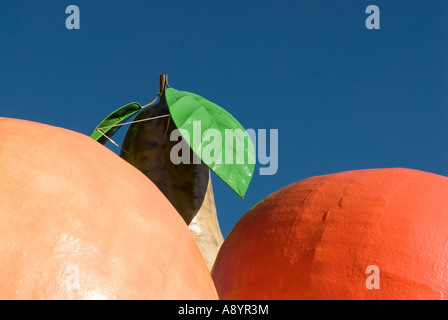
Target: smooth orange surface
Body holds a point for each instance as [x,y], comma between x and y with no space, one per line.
[79,222]
[314,239]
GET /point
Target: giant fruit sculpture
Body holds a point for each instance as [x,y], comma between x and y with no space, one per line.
[187,184]
[79,222]
[366,234]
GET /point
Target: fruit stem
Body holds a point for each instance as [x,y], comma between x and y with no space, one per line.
[163,84]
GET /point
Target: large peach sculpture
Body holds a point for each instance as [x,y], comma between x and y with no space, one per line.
[79,222]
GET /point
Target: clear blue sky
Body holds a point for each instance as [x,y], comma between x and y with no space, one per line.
[342,97]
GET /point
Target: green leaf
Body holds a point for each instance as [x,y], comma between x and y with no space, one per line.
[109,125]
[215,136]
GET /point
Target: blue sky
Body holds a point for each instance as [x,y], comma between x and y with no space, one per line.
[342,97]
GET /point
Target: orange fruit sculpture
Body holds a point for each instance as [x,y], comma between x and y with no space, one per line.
[365,234]
[79,222]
